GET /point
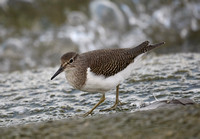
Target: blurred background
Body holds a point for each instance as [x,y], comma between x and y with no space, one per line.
[35,33]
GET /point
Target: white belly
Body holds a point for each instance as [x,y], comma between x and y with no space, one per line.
[101,84]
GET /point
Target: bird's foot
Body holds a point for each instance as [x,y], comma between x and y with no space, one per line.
[114,106]
[120,102]
[87,113]
[110,109]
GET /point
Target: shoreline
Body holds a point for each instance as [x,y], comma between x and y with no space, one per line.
[176,122]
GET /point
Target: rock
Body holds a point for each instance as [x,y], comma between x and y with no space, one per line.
[168,103]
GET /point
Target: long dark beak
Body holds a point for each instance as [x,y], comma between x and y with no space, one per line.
[57,72]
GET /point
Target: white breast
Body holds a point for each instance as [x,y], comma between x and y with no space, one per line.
[101,84]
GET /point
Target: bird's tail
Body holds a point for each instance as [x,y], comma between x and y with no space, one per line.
[144,47]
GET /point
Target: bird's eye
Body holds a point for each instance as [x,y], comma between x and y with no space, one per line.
[71,60]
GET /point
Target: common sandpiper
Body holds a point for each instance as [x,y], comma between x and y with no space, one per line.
[101,70]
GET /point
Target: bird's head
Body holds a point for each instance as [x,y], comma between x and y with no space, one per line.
[67,61]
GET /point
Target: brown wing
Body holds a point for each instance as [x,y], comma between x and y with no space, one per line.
[108,62]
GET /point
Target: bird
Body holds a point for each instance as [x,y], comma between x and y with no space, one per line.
[100,71]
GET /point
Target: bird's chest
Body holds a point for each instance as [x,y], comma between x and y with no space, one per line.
[75,78]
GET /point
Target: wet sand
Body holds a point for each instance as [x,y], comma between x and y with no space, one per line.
[176,122]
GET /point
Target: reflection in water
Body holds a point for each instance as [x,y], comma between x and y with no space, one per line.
[31,96]
[35,33]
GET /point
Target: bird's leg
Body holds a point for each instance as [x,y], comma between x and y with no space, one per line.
[116,101]
[100,101]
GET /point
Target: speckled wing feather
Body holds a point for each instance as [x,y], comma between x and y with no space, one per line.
[108,62]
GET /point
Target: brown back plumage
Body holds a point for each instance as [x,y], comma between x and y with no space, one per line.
[108,62]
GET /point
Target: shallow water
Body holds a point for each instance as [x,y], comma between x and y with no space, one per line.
[31,96]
